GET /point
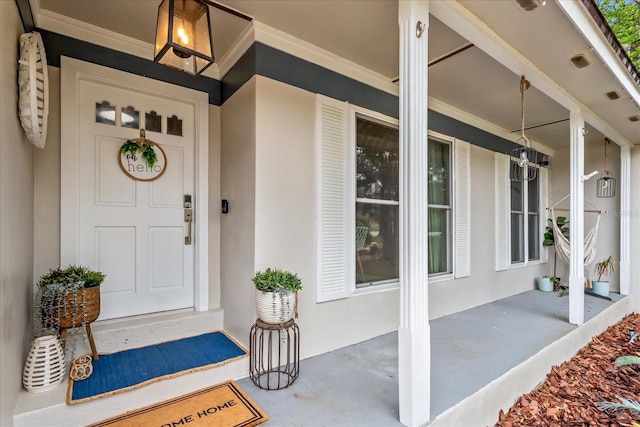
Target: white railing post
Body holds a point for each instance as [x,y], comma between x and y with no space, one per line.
[414,346]
[576,219]
[625,220]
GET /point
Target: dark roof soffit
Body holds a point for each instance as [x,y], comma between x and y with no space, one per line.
[603,25]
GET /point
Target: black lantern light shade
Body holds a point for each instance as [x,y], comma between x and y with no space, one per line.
[606,185]
[524,158]
[183,36]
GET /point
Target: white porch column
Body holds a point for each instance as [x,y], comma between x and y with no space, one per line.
[625,219]
[414,345]
[576,218]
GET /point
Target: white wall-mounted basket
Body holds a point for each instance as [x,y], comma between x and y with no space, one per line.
[33,86]
[45,365]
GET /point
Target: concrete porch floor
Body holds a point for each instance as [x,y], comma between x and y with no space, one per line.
[358,385]
[479,357]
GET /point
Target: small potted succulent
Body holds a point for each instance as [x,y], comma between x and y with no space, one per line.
[276,295]
[603,268]
[551,283]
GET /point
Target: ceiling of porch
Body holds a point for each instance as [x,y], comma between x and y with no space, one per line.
[366,33]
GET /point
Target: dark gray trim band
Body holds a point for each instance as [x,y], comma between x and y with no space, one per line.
[268,62]
[297,72]
[26,16]
[57,45]
[471,134]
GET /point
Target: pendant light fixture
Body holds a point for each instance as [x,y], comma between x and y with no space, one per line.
[606,184]
[524,159]
[183,36]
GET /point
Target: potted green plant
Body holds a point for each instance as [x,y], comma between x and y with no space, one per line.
[603,268]
[545,282]
[276,295]
[69,297]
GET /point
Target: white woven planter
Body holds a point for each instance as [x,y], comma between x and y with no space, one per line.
[45,366]
[275,307]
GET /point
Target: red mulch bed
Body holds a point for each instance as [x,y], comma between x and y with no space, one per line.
[571,392]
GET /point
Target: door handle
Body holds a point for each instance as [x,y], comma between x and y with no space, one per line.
[188,218]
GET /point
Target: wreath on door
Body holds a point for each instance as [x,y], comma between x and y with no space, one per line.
[146,150]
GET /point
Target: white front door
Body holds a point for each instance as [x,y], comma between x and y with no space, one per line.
[134,231]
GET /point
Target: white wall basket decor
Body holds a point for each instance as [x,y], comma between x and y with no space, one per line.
[33,86]
[45,365]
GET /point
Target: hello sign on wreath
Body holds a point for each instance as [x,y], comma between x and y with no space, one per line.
[142,159]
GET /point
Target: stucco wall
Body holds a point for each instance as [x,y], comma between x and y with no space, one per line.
[609,228]
[285,226]
[484,284]
[47,187]
[16,221]
[237,228]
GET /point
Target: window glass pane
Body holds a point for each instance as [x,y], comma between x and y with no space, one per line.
[534,237]
[377,253]
[377,160]
[439,171]
[516,196]
[439,240]
[534,196]
[517,238]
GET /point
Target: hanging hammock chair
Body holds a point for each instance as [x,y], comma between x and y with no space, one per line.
[562,244]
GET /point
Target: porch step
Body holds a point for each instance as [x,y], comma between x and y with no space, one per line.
[133,332]
[50,408]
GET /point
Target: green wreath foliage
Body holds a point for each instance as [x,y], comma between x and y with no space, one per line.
[147,151]
[149,154]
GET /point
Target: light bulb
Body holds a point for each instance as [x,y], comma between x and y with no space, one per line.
[523,161]
[184,38]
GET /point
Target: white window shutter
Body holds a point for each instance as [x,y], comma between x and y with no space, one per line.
[503,212]
[332,169]
[543,179]
[462,207]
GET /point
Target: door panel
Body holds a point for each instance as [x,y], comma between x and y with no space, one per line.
[111,188]
[116,253]
[134,230]
[165,266]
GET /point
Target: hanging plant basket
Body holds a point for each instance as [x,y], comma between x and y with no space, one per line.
[70,308]
[69,297]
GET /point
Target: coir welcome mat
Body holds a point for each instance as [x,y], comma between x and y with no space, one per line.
[223,405]
[130,369]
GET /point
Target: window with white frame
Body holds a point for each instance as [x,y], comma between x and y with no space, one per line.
[358,166]
[519,222]
[440,206]
[525,221]
[449,200]
[376,202]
